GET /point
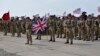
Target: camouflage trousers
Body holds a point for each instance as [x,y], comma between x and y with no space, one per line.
[52,34]
[75,32]
[29,36]
[82,33]
[90,34]
[59,32]
[18,32]
[97,29]
[13,31]
[5,31]
[65,32]
[69,36]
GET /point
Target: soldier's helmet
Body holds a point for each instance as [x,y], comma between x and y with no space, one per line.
[28,19]
[12,18]
[17,18]
[84,15]
[89,17]
[69,16]
[52,16]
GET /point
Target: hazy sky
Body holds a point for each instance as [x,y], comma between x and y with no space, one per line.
[32,7]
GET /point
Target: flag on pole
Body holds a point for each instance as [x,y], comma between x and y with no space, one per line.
[77,11]
[64,14]
[99,9]
[6,16]
[39,26]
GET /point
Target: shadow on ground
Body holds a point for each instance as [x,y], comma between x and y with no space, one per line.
[4,53]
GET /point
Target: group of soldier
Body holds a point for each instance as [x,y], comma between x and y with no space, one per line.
[69,27]
[86,28]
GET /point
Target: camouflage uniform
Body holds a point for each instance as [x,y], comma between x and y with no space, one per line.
[5,28]
[18,28]
[96,24]
[52,24]
[58,26]
[90,28]
[74,28]
[28,31]
[69,25]
[64,27]
[23,29]
[81,28]
[13,26]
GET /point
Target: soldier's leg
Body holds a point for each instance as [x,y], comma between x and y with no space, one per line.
[61,32]
[92,35]
[27,39]
[18,34]
[13,33]
[97,34]
[71,37]
[53,37]
[30,39]
[39,36]
[82,34]
[64,33]
[5,32]
[79,34]
[50,37]
[58,32]
[67,38]
[73,30]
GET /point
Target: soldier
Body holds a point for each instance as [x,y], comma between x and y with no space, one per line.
[23,25]
[39,33]
[13,26]
[81,28]
[90,28]
[64,26]
[96,24]
[58,26]
[69,31]
[52,24]
[74,28]
[28,30]
[18,27]
[5,27]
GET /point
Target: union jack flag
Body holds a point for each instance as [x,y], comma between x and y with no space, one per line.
[39,26]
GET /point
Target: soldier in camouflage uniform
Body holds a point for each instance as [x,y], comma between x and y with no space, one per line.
[90,28]
[52,24]
[39,33]
[13,26]
[96,24]
[69,25]
[64,26]
[18,27]
[28,30]
[59,28]
[74,28]
[81,28]
[5,27]
[23,29]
